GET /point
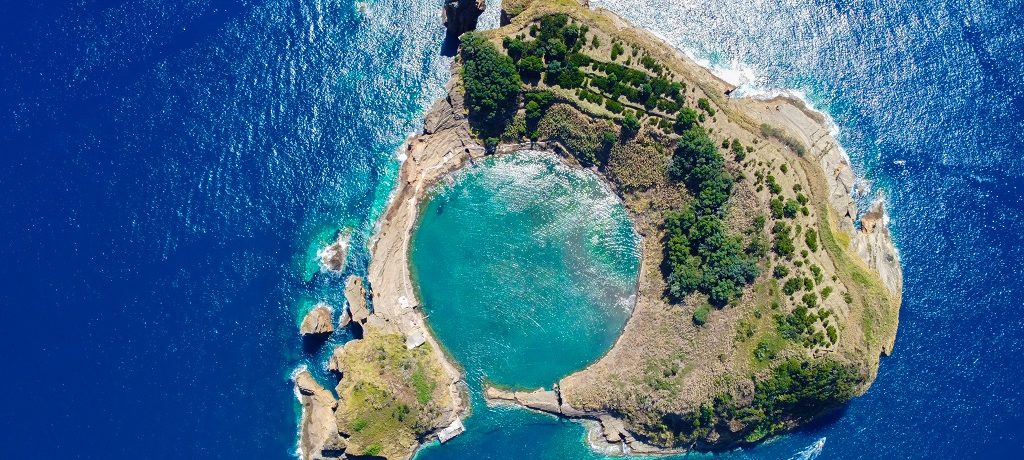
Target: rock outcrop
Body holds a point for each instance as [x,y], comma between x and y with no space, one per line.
[332,257]
[319,437]
[318,322]
[460,16]
[355,295]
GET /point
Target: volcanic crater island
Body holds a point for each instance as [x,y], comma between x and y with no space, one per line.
[765,297]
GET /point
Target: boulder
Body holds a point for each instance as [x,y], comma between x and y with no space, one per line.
[460,16]
[318,429]
[318,322]
[355,294]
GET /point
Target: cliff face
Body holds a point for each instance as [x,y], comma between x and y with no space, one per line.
[460,16]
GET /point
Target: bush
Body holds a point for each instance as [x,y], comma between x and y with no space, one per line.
[617,50]
[700,315]
[775,205]
[783,240]
[492,84]
[773,185]
[811,238]
[799,390]
[793,144]
[613,105]
[701,167]
[705,105]
[790,209]
[630,124]
[781,271]
[792,285]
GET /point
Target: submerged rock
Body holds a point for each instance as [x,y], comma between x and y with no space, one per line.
[318,430]
[460,16]
[332,257]
[318,322]
[355,294]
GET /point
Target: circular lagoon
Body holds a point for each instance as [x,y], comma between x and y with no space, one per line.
[526,267]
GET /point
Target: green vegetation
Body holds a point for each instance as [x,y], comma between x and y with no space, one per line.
[783,245]
[811,238]
[700,315]
[798,390]
[492,84]
[793,144]
[705,105]
[389,394]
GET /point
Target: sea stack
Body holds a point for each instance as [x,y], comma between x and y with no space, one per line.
[355,294]
[318,322]
[460,16]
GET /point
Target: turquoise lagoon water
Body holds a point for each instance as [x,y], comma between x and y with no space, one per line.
[527,269]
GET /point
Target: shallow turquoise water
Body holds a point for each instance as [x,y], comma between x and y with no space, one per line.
[527,270]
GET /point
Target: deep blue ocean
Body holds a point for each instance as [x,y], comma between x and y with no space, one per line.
[166,170]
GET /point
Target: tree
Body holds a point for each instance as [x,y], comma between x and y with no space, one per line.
[630,124]
[492,84]
[530,68]
[686,119]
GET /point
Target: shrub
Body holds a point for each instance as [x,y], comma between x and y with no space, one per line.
[701,256]
[783,240]
[781,271]
[800,390]
[617,50]
[793,144]
[792,285]
[775,205]
[613,105]
[790,208]
[700,315]
[630,124]
[825,292]
[811,238]
[705,105]
[773,185]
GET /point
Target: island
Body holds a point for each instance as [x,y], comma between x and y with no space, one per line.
[765,299]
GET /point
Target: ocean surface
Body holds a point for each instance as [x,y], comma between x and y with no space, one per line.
[168,170]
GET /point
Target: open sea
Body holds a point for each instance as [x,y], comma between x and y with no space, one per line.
[168,170]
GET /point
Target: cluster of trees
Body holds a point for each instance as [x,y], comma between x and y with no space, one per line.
[800,390]
[700,254]
[554,55]
[492,86]
[698,164]
[554,52]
